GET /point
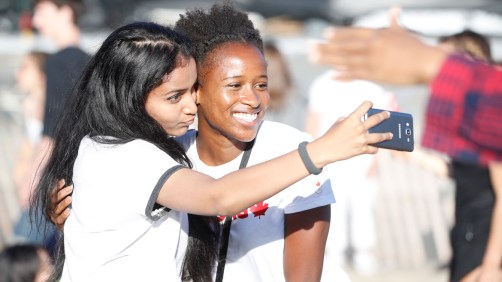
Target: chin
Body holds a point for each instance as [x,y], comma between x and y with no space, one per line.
[178,132]
[247,135]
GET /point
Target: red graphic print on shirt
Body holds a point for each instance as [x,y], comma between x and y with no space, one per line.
[258,210]
[241,215]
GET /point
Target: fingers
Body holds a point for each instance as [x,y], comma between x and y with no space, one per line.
[374,138]
[376,119]
[63,199]
[394,14]
[340,43]
[61,219]
[347,33]
[325,53]
[371,150]
[60,192]
[362,110]
[60,185]
[60,203]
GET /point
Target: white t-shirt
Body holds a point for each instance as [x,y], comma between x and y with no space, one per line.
[255,251]
[113,232]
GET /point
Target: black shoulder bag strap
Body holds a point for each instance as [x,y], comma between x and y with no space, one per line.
[222,258]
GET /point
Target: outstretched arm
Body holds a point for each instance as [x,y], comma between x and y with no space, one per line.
[194,192]
[191,191]
[394,55]
[390,55]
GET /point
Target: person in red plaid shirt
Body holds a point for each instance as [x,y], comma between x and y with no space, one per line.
[463,120]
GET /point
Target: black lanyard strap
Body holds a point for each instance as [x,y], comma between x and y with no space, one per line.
[222,258]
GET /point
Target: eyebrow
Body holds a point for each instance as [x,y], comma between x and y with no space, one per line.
[231,77]
[238,76]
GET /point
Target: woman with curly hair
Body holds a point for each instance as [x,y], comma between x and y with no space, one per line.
[269,241]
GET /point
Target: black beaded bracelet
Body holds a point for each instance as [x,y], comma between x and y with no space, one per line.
[302,149]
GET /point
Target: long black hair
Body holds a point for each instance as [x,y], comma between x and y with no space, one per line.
[109,101]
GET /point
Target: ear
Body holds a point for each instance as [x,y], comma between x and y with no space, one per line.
[197,96]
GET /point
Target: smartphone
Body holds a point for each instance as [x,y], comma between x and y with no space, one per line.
[400,125]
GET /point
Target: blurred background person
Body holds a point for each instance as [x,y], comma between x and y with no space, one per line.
[285,102]
[57,20]
[25,263]
[31,81]
[475,198]
[462,121]
[470,43]
[352,235]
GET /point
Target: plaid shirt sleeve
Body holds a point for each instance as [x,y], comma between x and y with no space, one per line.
[464,112]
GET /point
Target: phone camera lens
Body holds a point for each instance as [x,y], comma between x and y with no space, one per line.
[408,131]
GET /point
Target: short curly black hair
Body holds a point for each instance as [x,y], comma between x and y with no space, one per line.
[221,24]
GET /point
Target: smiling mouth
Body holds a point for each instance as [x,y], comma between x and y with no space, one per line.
[246,117]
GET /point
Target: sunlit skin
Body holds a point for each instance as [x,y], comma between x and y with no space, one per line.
[172,104]
[47,16]
[29,75]
[31,79]
[57,24]
[232,99]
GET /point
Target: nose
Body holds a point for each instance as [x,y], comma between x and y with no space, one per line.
[250,97]
[189,106]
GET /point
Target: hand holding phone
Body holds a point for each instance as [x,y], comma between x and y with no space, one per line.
[400,125]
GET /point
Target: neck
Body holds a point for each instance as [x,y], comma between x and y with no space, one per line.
[215,149]
[69,36]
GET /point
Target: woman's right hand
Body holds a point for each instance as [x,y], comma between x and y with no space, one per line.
[349,137]
[60,203]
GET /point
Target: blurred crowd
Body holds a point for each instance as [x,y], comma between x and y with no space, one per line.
[372,213]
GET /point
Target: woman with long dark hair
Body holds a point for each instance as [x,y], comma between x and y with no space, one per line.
[133,185]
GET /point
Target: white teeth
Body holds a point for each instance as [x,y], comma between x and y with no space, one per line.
[246,117]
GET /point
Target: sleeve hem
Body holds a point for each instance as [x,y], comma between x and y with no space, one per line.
[151,211]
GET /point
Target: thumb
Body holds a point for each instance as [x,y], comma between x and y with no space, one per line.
[394,14]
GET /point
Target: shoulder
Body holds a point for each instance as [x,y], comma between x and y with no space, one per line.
[73,51]
[94,142]
[276,135]
[71,56]
[140,147]
[134,150]
[69,52]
